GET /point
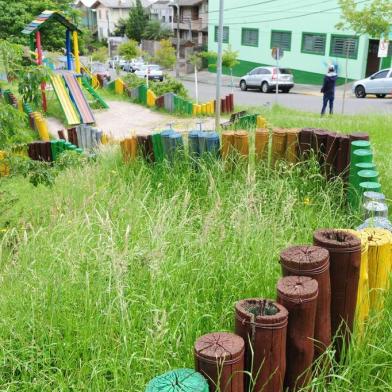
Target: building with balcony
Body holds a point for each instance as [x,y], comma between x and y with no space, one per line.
[162,11]
[89,16]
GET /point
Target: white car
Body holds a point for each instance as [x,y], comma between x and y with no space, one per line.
[132,66]
[116,61]
[379,84]
[153,71]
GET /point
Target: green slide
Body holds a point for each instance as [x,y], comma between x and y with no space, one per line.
[94,94]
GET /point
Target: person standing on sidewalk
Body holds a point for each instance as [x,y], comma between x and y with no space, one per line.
[328,89]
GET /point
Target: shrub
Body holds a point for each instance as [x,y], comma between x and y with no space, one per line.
[169,85]
[13,126]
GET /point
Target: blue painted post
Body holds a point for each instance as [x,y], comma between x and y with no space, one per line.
[68,49]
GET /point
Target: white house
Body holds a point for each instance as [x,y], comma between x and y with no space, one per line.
[109,13]
[160,10]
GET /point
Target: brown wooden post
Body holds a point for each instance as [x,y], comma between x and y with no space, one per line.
[313,261]
[261,144]
[263,326]
[331,153]
[227,143]
[219,357]
[298,294]
[345,260]
[343,156]
[241,143]
[305,142]
[278,145]
[292,150]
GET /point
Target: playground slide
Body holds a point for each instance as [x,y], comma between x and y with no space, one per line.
[78,98]
[65,101]
[94,94]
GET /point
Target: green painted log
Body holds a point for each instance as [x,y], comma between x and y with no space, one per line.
[367,176]
[177,381]
[359,145]
[157,147]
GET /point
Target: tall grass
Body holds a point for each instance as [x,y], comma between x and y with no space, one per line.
[109,277]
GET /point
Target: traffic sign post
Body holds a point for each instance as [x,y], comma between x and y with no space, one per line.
[277,54]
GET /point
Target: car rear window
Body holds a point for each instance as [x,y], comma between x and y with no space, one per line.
[285,71]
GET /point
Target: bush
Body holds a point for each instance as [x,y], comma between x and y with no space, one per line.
[13,126]
[169,85]
[133,81]
[45,173]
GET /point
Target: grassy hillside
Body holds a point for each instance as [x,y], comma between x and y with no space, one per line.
[108,277]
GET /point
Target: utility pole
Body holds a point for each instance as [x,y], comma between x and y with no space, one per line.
[178,40]
[219,67]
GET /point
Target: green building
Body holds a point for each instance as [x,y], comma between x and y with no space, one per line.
[304,29]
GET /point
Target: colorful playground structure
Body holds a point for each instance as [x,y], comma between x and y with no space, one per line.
[67,85]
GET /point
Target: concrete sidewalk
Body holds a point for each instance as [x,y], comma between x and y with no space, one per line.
[205,77]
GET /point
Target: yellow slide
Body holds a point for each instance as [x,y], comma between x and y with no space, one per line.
[66,104]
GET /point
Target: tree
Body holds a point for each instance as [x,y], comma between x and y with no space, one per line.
[17,14]
[136,23]
[166,54]
[229,60]
[120,27]
[374,19]
[129,50]
[155,31]
[196,60]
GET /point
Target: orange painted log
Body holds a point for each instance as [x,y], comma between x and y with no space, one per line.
[227,143]
[292,149]
[279,143]
[261,144]
[241,143]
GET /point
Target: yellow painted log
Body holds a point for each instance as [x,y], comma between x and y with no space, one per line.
[203,108]
[380,265]
[42,128]
[4,167]
[261,122]
[119,86]
[363,299]
[76,53]
[129,148]
[194,109]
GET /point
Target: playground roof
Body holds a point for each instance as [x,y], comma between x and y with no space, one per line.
[44,17]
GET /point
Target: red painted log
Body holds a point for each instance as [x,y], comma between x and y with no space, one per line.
[219,357]
[313,261]
[298,294]
[265,343]
[345,260]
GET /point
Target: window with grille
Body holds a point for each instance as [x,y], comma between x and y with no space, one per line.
[225,39]
[313,43]
[281,39]
[344,46]
[250,37]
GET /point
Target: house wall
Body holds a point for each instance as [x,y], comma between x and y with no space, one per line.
[107,18]
[308,68]
[163,13]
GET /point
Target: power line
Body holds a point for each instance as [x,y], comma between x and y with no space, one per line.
[292,17]
[278,11]
[242,6]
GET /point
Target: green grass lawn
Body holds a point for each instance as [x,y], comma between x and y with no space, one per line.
[108,277]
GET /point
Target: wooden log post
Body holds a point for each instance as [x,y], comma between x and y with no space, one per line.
[298,294]
[219,357]
[263,326]
[345,260]
[313,261]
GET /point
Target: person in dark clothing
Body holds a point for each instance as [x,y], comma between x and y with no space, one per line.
[328,89]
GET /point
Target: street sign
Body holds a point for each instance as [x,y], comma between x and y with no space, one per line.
[383,48]
[277,53]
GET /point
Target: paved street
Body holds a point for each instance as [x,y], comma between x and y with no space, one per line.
[301,97]
[296,99]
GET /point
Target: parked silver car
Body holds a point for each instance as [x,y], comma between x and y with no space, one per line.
[265,78]
[379,84]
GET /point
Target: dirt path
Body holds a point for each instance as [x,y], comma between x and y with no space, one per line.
[123,118]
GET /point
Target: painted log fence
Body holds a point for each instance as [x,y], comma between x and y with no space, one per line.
[171,102]
[275,342]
